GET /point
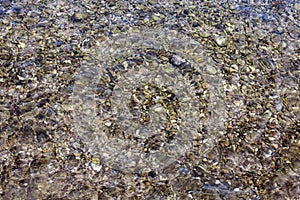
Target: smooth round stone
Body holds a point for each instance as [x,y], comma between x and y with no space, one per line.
[211,70]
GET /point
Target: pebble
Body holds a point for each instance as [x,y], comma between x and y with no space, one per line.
[96,167]
[155,17]
[221,40]
[177,60]
[205,34]
[2,10]
[42,54]
[77,17]
[297,6]
[211,70]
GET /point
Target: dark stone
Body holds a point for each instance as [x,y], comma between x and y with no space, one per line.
[152,174]
[41,136]
[186,11]
[196,24]
[220,26]
[59,43]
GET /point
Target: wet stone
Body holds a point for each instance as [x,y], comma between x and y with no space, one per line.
[78,17]
[2,10]
[211,69]
[177,60]
[297,6]
[221,40]
[41,136]
[249,55]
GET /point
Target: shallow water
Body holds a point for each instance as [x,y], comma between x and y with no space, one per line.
[149,100]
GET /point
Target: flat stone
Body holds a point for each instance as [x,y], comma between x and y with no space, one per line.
[211,69]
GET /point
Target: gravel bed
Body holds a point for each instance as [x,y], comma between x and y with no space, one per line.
[149,99]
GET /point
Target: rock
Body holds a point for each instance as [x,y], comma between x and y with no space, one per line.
[221,40]
[155,17]
[211,70]
[205,34]
[77,17]
[177,60]
[1,10]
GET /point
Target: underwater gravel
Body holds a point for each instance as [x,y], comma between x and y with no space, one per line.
[255,45]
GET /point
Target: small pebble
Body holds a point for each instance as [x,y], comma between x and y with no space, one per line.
[297,6]
[77,17]
[177,60]
[221,40]
[211,70]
